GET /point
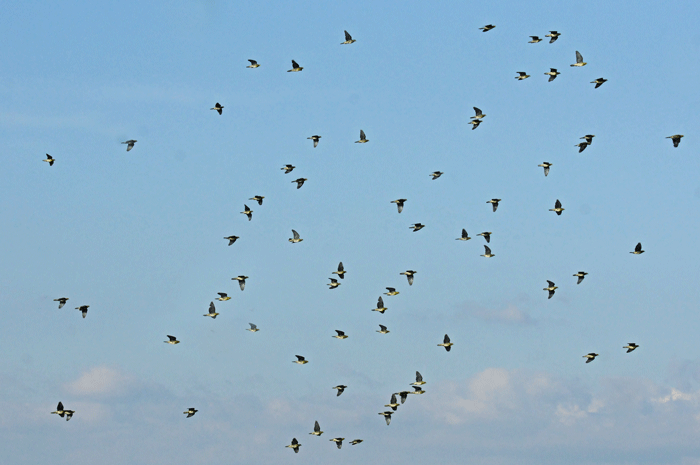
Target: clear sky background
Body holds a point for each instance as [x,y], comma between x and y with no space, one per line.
[138,236]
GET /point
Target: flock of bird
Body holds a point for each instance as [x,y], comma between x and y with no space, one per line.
[417,386]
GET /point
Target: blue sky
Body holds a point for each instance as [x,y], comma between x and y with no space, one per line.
[138,235]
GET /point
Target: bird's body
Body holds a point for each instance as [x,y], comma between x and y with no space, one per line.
[340,335]
[446,343]
[341,388]
[579,60]
[598,82]
[638,249]
[61,301]
[557,208]
[392,291]
[630,347]
[553,73]
[241,281]
[300,360]
[294,445]
[534,40]
[288,168]
[129,144]
[295,237]
[317,429]
[487,235]
[465,236]
[83,309]
[348,39]
[212,311]
[551,288]
[487,28]
[409,275]
[190,412]
[546,166]
[487,252]
[341,271]
[380,306]
[231,239]
[315,139]
[382,330]
[338,442]
[580,275]
[253,328]
[258,198]
[494,203]
[590,357]
[300,182]
[436,174]
[399,204]
[333,284]
[172,340]
[417,227]
[49,159]
[218,107]
[223,297]
[676,138]
[247,212]
[419,390]
[553,36]
[363,138]
[521,75]
[253,64]
[295,67]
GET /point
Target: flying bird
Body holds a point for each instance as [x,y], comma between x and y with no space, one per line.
[590,357]
[479,114]
[223,297]
[494,203]
[61,301]
[50,159]
[553,73]
[581,275]
[300,182]
[333,284]
[295,237]
[416,227]
[553,35]
[315,139]
[62,412]
[399,204]
[638,249]
[218,107]
[317,429]
[382,330]
[387,417]
[419,380]
[341,271]
[129,144]
[258,198]
[363,138]
[404,395]
[300,360]
[288,168]
[557,207]
[212,311]
[253,328]
[582,146]
[340,335]
[487,252]
[521,75]
[380,306]
[630,347]
[409,275]
[436,174]
[241,281]
[355,442]
[253,64]
[247,212]
[676,138]
[418,389]
[446,343]
[84,309]
[487,28]
[172,340]
[598,82]
[579,60]
[475,123]
[338,442]
[190,412]
[551,288]
[534,40]
[393,404]
[392,291]
[588,138]
[295,67]
[231,239]
[348,39]
[487,236]
[465,236]
[546,166]
[294,445]
[341,388]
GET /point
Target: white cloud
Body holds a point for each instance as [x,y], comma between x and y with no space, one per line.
[101,380]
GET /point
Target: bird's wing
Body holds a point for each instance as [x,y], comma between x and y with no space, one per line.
[362,135]
[410,279]
[478,112]
[296,65]
[557,204]
[446,340]
[488,250]
[419,377]
[579,58]
[252,326]
[212,308]
[300,358]
[347,36]
[296,234]
[380,302]
[253,62]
